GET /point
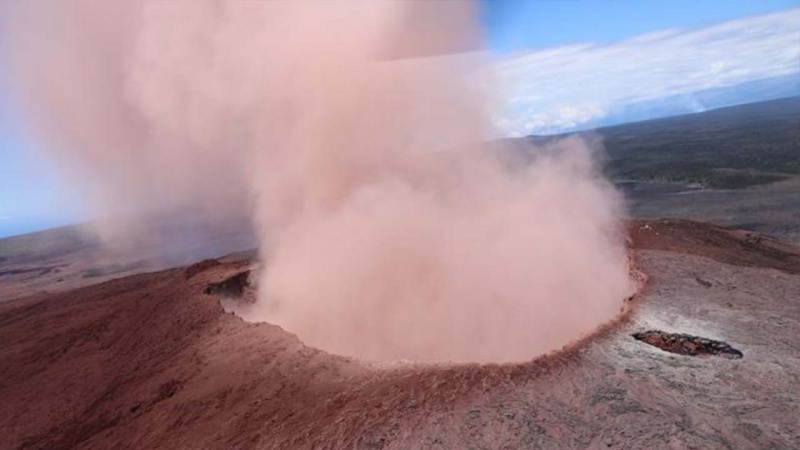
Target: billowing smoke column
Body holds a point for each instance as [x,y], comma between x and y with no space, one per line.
[387,228]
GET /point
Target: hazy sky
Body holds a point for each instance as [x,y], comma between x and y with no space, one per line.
[565,64]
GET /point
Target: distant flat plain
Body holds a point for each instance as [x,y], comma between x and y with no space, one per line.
[737,167]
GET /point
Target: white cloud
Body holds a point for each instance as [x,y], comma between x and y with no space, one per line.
[561,88]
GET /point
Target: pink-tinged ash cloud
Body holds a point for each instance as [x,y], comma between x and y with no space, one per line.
[388,228]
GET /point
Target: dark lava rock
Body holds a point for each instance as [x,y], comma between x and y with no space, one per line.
[686,344]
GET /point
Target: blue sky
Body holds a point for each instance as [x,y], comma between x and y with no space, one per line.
[524,25]
[564,65]
[31,194]
[664,71]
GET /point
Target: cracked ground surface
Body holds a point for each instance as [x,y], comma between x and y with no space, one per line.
[152,361]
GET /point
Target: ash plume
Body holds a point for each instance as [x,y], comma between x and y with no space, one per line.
[353,137]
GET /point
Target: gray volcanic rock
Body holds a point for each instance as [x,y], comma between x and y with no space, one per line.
[152,361]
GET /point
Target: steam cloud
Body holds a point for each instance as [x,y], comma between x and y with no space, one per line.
[351,135]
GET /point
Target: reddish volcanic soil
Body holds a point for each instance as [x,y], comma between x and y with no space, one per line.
[153,361]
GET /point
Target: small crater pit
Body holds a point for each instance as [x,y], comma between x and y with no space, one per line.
[239,287]
[686,344]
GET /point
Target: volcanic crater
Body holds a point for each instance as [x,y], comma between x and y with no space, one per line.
[152,361]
